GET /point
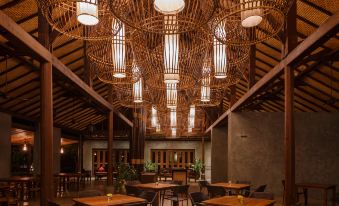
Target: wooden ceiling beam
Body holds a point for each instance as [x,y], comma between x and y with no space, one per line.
[323,33]
[18,35]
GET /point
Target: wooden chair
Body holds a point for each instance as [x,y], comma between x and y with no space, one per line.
[215,191]
[203,184]
[150,196]
[179,194]
[262,195]
[299,192]
[132,191]
[89,193]
[197,198]
[260,188]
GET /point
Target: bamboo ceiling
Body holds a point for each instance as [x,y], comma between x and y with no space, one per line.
[317,77]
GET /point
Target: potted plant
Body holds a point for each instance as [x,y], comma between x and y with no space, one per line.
[124,173]
[197,167]
[150,166]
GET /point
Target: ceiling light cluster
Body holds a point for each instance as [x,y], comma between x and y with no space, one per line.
[160,52]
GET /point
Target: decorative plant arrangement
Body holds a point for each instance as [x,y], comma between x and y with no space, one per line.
[124,173]
[150,166]
[197,167]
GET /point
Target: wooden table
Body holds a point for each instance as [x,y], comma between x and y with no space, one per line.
[324,187]
[233,201]
[116,199]
[19,180]
[64,180]
[232,186]
[155,187]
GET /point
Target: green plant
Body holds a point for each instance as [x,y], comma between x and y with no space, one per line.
[150,166]
[197,166]
[124,173]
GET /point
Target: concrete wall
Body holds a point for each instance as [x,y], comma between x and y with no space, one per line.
[90,144]
[256,148]
[196,145]
[5,145]
[219,157]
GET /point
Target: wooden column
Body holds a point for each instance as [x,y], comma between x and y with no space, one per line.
[251,71]
[233,95]
[110,138]
[203,150]
[87,70]
[46,114]
[290,42]
[137,140]
[80,154]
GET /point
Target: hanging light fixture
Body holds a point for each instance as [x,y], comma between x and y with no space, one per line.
[205,93]
[220,59]
[173,132]
[154,117]
[137,91]
[158,128]
[251,13]
[172,96]
[191,118]
[87,12]
[24,147]
[79,19]
[249,22]
[169,6]
[173,118]
[61,150]
[118,53]
[171,50]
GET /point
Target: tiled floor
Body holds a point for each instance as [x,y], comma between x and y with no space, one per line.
[66,200]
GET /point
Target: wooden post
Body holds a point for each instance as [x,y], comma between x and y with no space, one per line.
[46,110]
[110,138]
[87,69]
[290,42]
[233,95]
[251,71]
[137,140]
[81,153]
[203,150]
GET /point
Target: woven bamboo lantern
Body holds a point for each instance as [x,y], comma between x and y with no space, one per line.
[150,15]
[246,22]
[80,19]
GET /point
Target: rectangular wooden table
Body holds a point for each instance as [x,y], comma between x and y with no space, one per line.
[232,186]
[155,187]
[116,199]
[324,187]
[233,201]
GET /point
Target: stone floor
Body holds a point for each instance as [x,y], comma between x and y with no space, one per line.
[66,199]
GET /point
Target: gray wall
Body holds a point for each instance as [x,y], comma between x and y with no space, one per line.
[5,144]
[219,160]
[196,145]
[89,145]
[256,148]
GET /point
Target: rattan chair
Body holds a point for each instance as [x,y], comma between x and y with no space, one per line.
[197,198]
[263,195]
[215,191]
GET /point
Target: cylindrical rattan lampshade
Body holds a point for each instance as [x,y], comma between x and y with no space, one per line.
[149,51]
[213,98]
[62,15]
[246,22]
[130,96]
[113,59]
[143,14]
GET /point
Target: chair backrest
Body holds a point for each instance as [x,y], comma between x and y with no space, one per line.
[203,183]
[181,189]
[261,188]
[51,203]
[197,197]
[179,174]
[215,191]
[131,190]
[148,177]
[89,193]
[150,196]
[243,182]
[176,182]
[263,195]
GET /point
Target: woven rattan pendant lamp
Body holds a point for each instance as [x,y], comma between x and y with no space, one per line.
[246,22]
[113,59]
[149,15]
[80,19]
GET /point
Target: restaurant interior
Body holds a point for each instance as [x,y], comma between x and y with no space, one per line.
[169,102]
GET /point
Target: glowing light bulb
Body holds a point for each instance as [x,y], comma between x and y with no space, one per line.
[169,6]
[251,14]
[87,12]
